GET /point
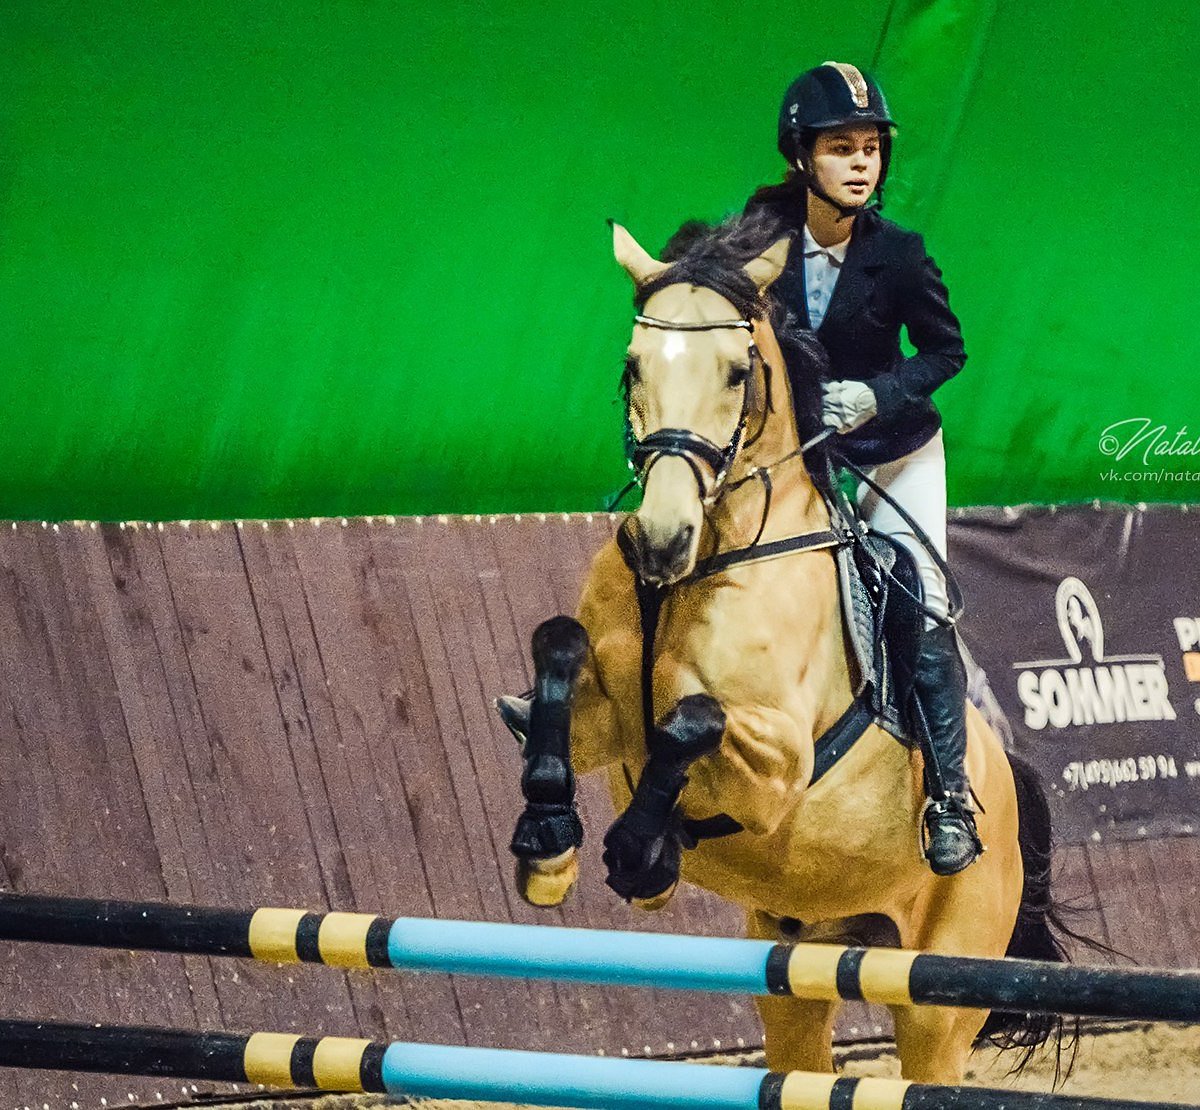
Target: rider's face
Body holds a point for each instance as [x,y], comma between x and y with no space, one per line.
[846,163]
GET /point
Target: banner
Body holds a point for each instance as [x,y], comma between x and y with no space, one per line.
[1086,621]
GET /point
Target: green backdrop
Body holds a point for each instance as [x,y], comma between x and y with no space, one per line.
[349,256]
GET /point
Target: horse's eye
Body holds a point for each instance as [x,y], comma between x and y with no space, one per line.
[738,376]
[632,373]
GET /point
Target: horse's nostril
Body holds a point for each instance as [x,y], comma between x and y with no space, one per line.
[655,559]
[676,554]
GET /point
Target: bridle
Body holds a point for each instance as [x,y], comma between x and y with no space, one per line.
[696,450]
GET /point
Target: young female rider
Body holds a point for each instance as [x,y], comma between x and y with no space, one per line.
[856,279]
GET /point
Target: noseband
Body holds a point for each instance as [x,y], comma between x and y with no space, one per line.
[682,443]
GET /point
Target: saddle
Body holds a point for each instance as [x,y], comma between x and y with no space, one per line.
[881,594]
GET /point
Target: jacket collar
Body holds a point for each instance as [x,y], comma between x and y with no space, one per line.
[864,259]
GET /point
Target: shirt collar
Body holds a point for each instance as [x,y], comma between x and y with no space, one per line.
[811,247]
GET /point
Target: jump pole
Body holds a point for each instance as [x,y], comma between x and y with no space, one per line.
[492,1075]
[723,965]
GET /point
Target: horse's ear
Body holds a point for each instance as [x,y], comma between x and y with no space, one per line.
[637,262]
[769,265]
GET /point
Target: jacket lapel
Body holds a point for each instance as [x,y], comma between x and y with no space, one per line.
[790,288]
[859,272]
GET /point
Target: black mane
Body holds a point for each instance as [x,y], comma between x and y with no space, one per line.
[712,256]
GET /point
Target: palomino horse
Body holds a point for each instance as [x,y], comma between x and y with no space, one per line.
[749,667]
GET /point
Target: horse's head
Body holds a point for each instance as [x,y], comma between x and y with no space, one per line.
[693,380]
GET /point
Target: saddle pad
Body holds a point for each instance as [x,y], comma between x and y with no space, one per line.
[863,620]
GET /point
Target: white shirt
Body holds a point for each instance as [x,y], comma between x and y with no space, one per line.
[822,265]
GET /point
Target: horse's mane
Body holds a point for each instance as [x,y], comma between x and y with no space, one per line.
[712,256]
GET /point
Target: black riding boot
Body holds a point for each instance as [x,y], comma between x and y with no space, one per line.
[951,842]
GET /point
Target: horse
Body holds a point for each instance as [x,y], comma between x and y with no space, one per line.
[713,729]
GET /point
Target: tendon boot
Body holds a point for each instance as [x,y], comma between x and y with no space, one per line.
[643,849]
[949,839]
[549,826]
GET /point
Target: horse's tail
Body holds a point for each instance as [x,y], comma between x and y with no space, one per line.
[1040,929]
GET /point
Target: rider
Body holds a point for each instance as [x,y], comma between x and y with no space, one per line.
[856,281]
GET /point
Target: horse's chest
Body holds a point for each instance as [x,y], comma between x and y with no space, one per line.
[812,879]
[841,851]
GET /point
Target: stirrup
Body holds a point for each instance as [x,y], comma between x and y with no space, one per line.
[956,807]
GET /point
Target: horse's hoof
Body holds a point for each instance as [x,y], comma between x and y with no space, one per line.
[545,883]
[658,901]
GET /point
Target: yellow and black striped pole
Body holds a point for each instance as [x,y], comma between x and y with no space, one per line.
[724,965]
[491,1075]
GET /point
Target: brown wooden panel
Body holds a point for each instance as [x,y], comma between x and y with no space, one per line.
[1136,920]
[81,816]
[1074,890]
[338,795]
[301,715]
[366,666]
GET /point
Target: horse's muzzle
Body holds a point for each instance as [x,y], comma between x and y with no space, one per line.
[659,563]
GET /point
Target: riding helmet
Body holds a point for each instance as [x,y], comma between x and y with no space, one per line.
[831,95]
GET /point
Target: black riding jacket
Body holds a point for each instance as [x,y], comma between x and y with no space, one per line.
[887,281]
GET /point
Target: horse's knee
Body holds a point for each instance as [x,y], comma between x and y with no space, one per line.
[692,729]
[559,647]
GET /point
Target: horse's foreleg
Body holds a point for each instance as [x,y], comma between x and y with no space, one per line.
[549,832]
[642,849]
[797,1032]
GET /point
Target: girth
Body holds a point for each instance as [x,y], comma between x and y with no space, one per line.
[829,747]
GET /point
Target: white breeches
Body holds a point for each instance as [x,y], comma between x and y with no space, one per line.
[918,483]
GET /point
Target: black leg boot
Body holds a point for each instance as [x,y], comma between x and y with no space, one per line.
[950,840]
[644,847]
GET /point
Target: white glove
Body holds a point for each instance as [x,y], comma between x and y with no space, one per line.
[847,405]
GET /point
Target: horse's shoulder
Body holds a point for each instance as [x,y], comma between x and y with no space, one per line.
[608,566]
[609,581]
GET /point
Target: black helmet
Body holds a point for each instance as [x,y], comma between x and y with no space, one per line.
[833,94]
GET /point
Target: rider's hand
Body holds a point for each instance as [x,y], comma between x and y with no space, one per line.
[846,405]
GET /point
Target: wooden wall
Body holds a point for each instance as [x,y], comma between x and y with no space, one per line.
[298,714]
